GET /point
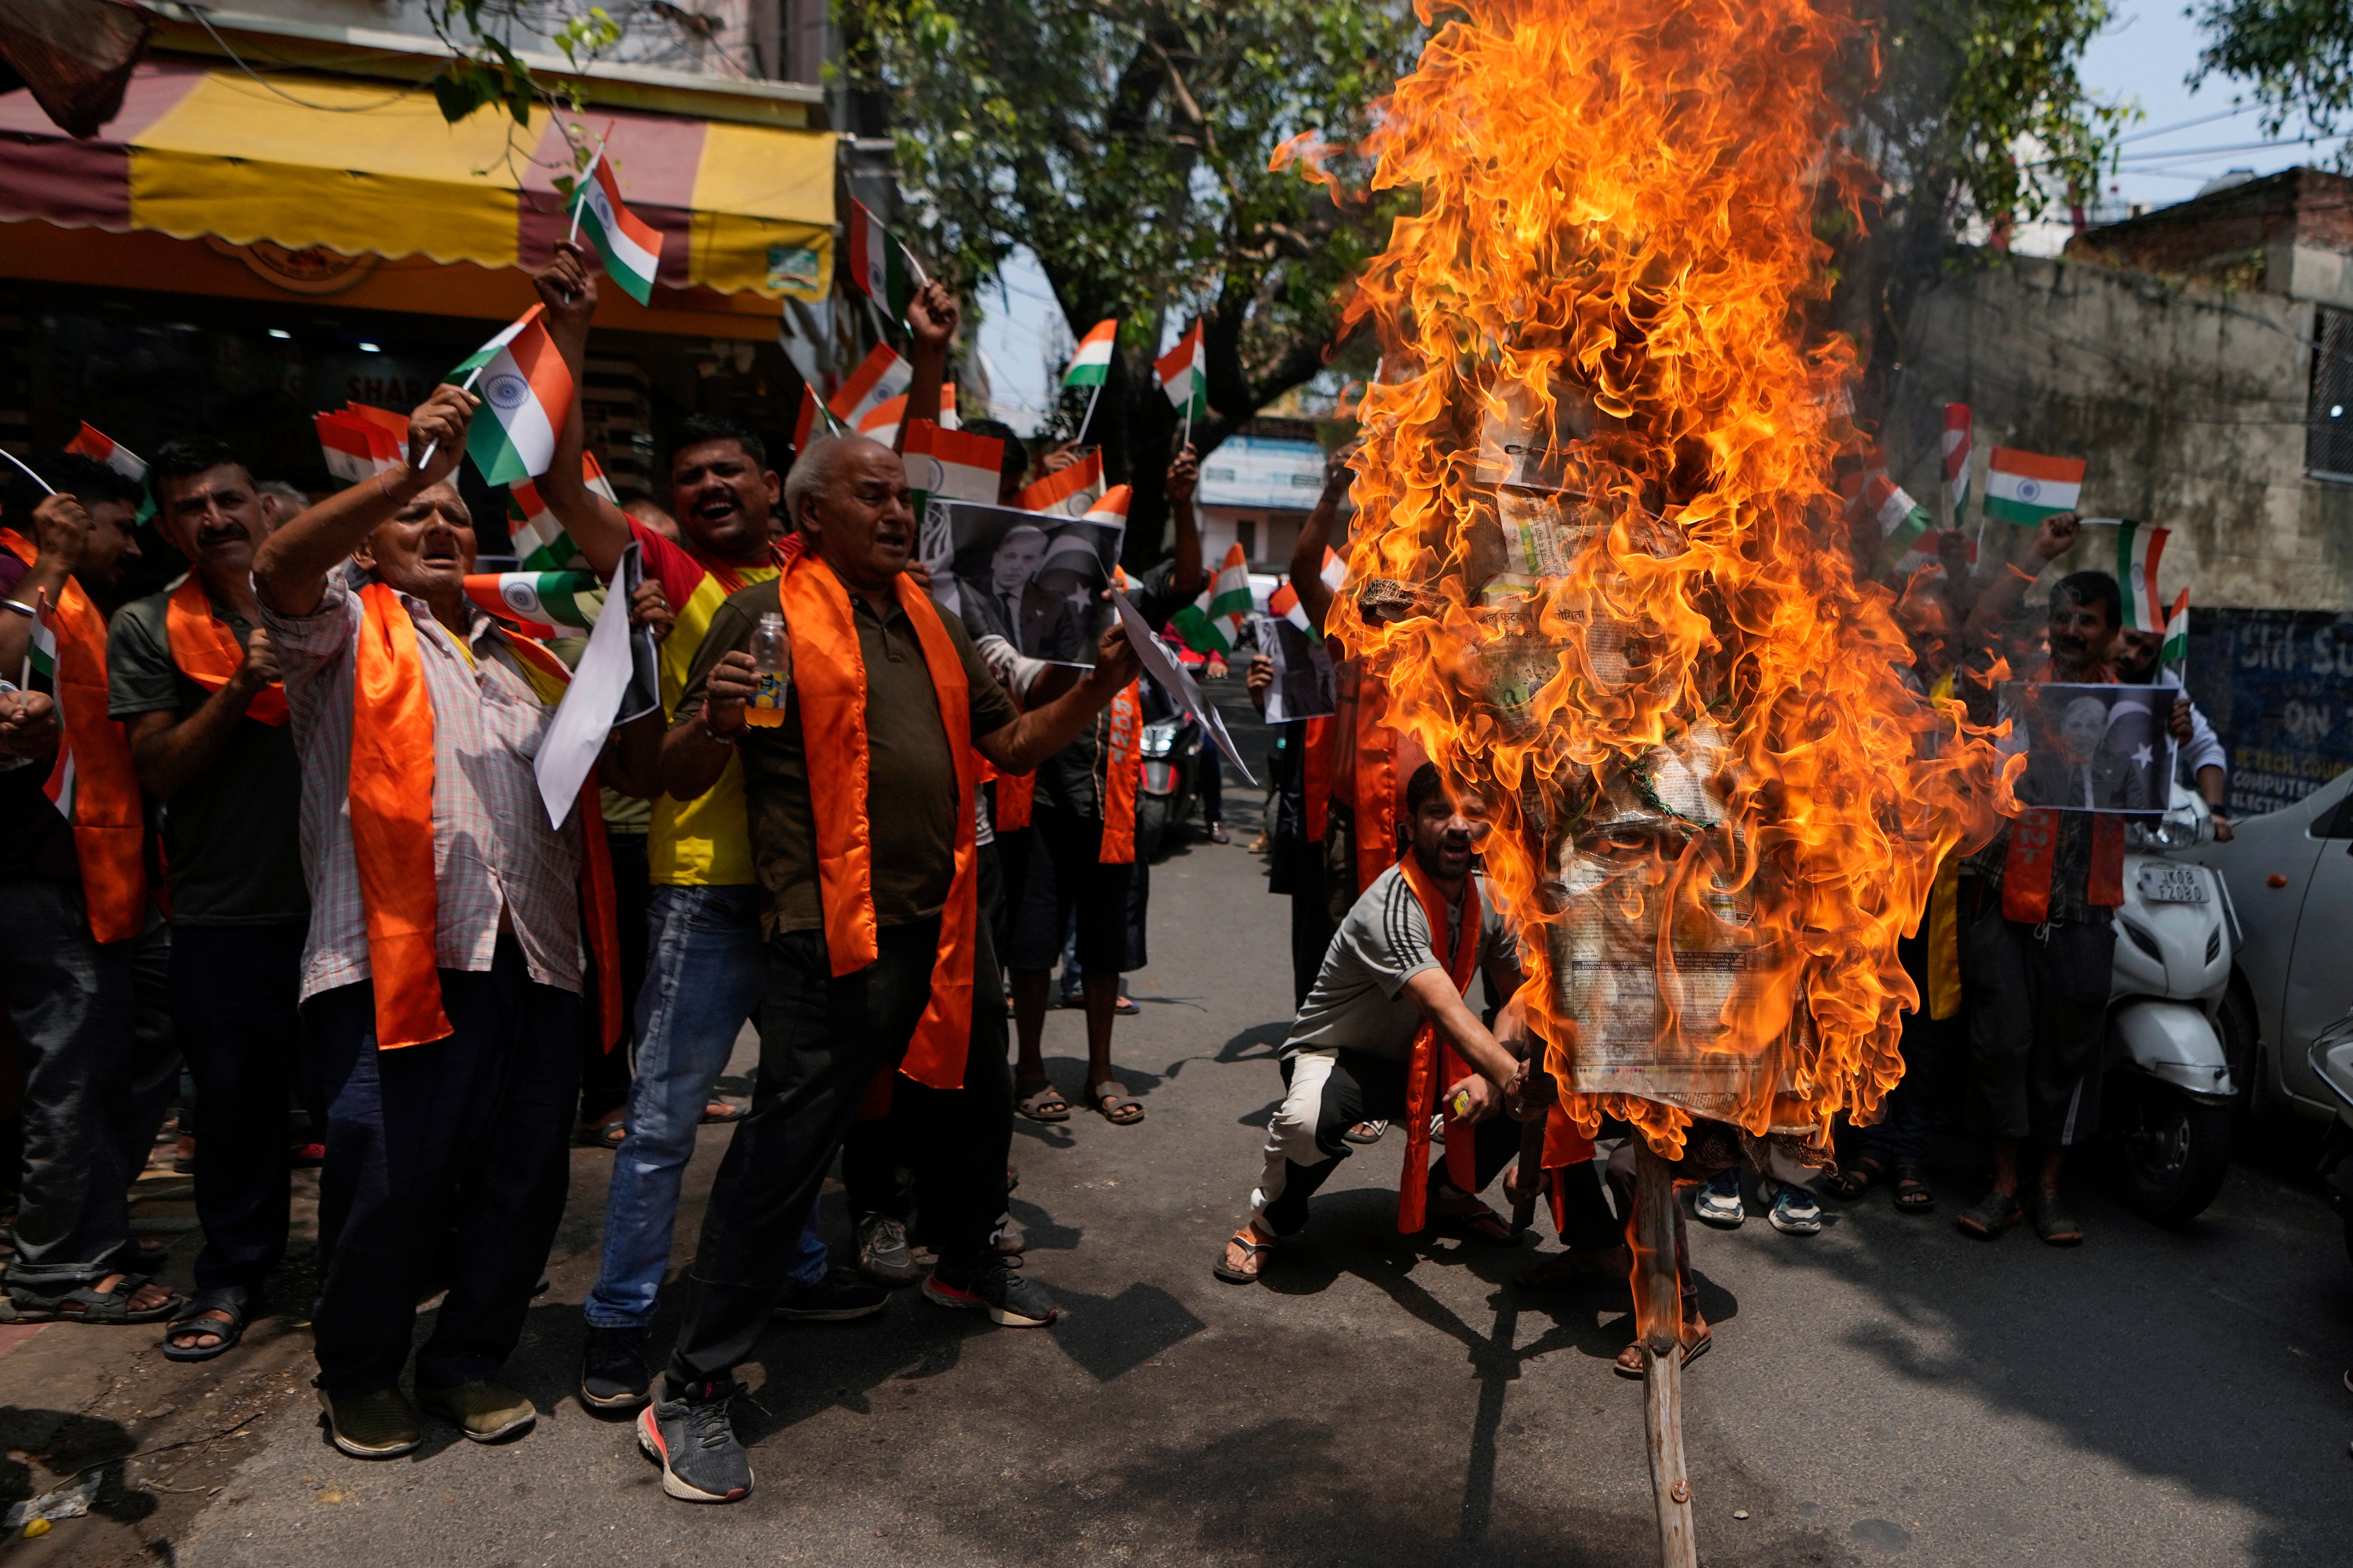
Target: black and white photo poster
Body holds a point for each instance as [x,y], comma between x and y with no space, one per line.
[2089,748]
[1034,579]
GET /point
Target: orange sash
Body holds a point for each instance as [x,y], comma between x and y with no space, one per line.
[110,827]
[1368,770]
[206,650]
[1015,795]
[1315,775]
[1434,1062]
[1123,776]
[392,832]
[830,683]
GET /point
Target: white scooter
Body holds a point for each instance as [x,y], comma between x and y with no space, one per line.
[2167,1092]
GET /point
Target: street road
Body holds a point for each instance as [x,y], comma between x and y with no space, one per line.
[1886,1392]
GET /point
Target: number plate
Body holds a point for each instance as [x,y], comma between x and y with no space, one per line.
[2172,885]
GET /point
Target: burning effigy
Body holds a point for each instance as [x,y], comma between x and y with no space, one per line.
[1601,568]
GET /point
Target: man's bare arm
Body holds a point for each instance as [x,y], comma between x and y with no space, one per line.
[1434,992]
[289,570]
[1184,478]
[2000,597]
[1020,746]
[167,750]
[1316,537]
[932,317]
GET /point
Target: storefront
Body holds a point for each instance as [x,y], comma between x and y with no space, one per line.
[231,255]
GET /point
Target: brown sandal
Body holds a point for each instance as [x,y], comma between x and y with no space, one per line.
[1115,1104]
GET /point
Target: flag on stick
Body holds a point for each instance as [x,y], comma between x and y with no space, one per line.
[951,465]
[41,657]
[879,265]
[1111,508]
[89,443]
[1335,571]
[1957,462]
[355,449]
[539,540]
[1090,365]
[1068,493]
[1901,518]
[538,604]
[2175,650]
[2024,488]
[880,377]
[631,247]
[2138,549]
[1181,376]
[881,423]
[1213,623]
[526,392]
[1283,604]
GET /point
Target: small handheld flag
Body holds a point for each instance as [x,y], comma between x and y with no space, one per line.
[1111,508]
[1335,571]
[1181,377]
[630,246]
[1901,518]
[2138,549]
[526,394]
[1957,462]
[2175,650]
[539,540]
[538,604]
[1212,623]
[355,449]
[2024,488]
[1068,493]
[89,443]
[879,267]
[1283,604]
[951,465]
[880,377]
[1090,365]
[881,423]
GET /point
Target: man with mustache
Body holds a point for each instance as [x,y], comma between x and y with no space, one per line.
[76,926]
[194,676]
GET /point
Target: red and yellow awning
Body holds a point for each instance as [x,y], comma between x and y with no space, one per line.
[365,168]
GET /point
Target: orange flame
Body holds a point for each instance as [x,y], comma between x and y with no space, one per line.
[1601,562]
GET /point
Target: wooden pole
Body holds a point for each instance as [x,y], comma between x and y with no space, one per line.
[1659,1312]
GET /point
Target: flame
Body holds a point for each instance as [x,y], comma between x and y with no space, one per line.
[1602,563]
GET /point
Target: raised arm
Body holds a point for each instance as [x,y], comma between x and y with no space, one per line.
[567,293]
[289,570]
[59,529]
[2000,599]
[1316,537]
[1020,746]
[1184,478]
[932,317]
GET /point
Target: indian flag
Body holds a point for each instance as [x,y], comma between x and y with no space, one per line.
[2138,549]
[1901,518]
[1957,461]
[2024,488]
[356,450]
[1111,508]
[630,246]
[881,422]
[526,392]
[1283,604]
[89,443]
[1335,571]
[878,263]
[539,540]
[2176,648]
[880,377]
[1182,375]
[1091,367]
[1213,623]
[538,604]
[1068,493]
[951,465]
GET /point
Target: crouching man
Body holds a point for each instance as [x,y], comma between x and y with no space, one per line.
[1366,1043]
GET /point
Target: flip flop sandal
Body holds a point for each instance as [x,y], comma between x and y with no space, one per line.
[1044,1103]
[720,1112]
[1913,1196]
[192,1322]
[601,1134]
[1250,1249]
[90,1305]
[1856,1179]
[1629,1363]
[1113,1104]
[1366,1131]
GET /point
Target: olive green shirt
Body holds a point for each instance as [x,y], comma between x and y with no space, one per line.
[911,781]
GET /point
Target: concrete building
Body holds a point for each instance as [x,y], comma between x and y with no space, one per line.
[1257,488]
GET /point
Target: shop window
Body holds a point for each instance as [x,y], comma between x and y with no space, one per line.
[1246,535]
[2329,421]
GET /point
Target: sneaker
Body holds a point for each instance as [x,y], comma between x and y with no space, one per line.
[1794,1210]
[613,1371]
[484,1411]
[379,1425]
[694,1442]
[1005,1296]
[1719,1202]
[883,1255]
[836,1299]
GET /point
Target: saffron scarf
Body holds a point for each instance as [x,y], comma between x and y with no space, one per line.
[110,827]
[1123,775]
[829,685]
[206,651]
[392,830]
[1434,1062]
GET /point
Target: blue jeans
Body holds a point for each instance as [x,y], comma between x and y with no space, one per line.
[703,958]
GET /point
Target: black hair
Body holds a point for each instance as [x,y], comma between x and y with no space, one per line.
[2089,588]
[1426,785]
[1016,459]
[86,479]
[186,458]
[697,428]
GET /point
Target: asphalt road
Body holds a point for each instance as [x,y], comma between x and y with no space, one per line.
[1886,1392]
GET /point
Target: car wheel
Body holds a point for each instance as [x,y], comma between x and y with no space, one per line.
[2243,1048]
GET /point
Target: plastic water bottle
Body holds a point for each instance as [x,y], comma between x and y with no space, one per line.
[772,658]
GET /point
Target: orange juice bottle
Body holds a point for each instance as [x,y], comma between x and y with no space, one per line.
[772,657]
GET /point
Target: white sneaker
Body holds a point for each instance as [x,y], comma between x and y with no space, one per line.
[1794,1210]
[1719,1202]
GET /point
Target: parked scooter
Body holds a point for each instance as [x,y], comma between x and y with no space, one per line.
[2332,1063]
[2168,1089]
[1172,752]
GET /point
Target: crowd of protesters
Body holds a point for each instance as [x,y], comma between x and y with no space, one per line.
[367,899]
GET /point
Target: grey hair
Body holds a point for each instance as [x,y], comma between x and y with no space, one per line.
[814,468]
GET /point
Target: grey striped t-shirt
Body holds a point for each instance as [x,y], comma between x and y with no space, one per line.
[1359,997]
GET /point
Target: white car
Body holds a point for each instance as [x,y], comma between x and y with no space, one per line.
[2290,875]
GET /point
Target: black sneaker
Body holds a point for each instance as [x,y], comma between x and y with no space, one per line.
[693,1442]
[836,1299]
[613,1372]
[883,1255]
[1005,1296]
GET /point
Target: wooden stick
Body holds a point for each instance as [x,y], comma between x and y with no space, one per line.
[1657,1306]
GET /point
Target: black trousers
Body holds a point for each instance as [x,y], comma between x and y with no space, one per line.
[1064,875]
[2038,1014]
[1312,927]
[446,1162]
[605,1075]
[233,996]
[822,1040]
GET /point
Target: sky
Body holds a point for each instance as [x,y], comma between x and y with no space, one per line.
[2145,56]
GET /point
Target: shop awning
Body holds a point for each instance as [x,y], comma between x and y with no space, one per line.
[362,167]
